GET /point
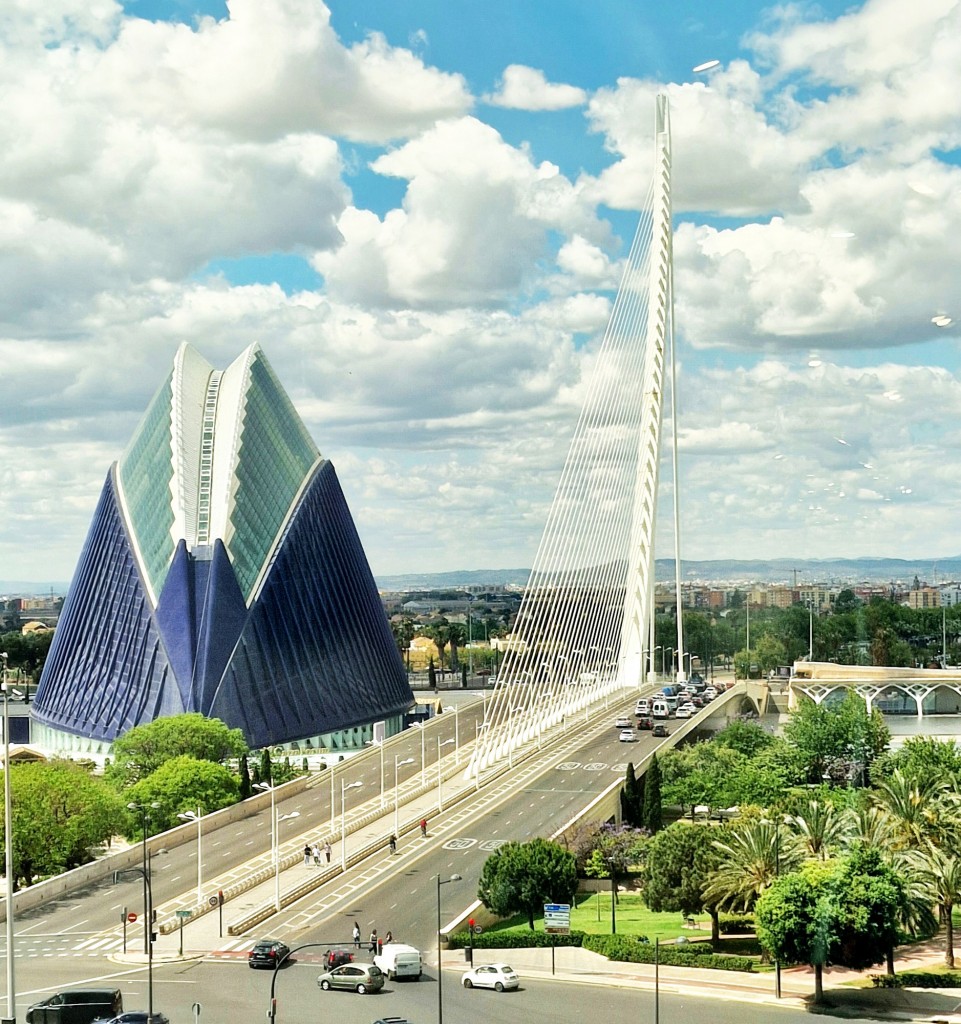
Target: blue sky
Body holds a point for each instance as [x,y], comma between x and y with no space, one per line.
[420,211]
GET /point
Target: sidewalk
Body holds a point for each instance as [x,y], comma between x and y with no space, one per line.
[575,965]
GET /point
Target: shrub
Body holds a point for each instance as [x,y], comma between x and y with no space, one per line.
[735,924]
[629,950]
[918,979]
[513,940]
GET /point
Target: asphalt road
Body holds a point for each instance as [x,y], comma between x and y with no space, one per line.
[399,894]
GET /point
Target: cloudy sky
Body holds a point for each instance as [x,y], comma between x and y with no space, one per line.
[420,210]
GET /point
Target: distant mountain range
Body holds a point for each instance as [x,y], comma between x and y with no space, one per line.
[721,571]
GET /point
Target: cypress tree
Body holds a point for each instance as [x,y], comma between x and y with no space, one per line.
[246,788]
[631,807]
[653,817]
[266,768]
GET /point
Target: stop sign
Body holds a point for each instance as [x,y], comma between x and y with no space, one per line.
[131,917]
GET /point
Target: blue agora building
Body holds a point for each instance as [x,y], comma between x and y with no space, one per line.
[222,573]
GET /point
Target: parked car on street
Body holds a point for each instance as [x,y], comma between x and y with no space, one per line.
[627,736]
[360,978]
[499,977]
[267,953]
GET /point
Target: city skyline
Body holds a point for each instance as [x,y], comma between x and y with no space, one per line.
[421,215]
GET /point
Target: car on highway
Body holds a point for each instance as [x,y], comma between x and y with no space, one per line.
[643,707]
[267,953]
[499,977]
[337,957]
[622,722]
[360,978]
[645,723]
[710,693]
[627,736]
[660,730]
[134,1017]
[685,710]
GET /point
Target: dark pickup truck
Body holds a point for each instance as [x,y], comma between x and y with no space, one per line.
[76,1006]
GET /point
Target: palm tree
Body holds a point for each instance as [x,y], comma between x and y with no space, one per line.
[756,852]
[920,809]
[870,825]
[941,871]
[820,827]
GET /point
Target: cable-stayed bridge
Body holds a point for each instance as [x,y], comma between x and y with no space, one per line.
[585,625]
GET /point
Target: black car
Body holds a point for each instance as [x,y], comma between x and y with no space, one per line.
[645,723]
[660,730]
[267,953]
[134,1017]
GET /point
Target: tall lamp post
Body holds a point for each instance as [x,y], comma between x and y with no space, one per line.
[344,786]
[379,743]
[144,811]
[197,816]
[397,765]
[423,748]
[440,971]
[440,777]
[8,842]
[275,821]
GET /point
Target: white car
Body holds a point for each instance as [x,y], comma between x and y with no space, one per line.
[499,977]
[622,722]
[710,693]
[642,708]
[685,711]
[628,736]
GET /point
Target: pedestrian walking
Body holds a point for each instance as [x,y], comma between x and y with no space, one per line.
[389,937]
[356,935]
[423,827]
[373,940]
[307,856]
[393,845]
[327,850]
[316,853]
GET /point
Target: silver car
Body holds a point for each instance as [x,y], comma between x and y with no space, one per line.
[359,978]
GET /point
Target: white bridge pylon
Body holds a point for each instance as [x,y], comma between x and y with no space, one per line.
[584,626]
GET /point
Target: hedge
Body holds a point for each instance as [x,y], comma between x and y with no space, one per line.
[513,940]
[629,950]
[735,924]
[918,979]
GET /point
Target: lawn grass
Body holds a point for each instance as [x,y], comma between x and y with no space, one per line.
[592,914]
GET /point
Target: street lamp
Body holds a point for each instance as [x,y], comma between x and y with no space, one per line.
[397,764]
[265,787]
[440,971]
[453,707]
[423,763]
[144,811]
[148,915]
[8,840]
[440,796]
[344,786]
[198,817]
[379,743]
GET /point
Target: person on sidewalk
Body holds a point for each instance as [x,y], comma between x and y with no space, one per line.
[393,845]
[356,935]
[389,937]
[373,940]
[423,827]
[327,850]
[316,854]
[307,855]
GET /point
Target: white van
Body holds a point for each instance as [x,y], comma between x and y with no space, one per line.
[398,960]
[643,707]
[659,709]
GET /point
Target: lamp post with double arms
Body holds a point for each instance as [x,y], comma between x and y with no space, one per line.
[344,786]
[440,971]
[440,774]
[397,765]
[144,811]
[8,842]
[197,816]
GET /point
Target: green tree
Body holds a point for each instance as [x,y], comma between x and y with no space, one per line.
[632,798]
[679,863]
[615,849]
[266,767]
[941,873]
[182,784]
[920,759]
[144,748]
[246,787]
[522,877]
[747,738]
[846,601]
[754,853]
[60,811]
[820,828]
[920,809]
[821,733]
[653,816]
